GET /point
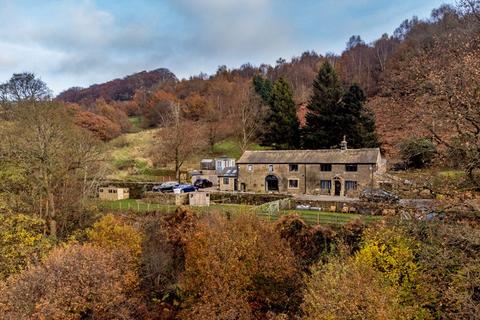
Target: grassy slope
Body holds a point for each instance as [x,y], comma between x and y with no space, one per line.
[129,155]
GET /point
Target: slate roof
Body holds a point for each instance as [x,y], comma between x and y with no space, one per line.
[228,172]
[367,156]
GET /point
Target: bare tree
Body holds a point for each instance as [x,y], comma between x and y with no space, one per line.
[470,7]
[24,87]
[249,118]
[178,139]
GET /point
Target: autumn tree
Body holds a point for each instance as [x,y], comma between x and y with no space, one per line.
[282,128]
[238,269]
[349,290]
[74,282]
[437,88]
[22,242]
[57,157]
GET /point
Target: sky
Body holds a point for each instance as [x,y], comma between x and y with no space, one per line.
[81,42]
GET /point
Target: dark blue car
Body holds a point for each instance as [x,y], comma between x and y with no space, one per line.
[181,188]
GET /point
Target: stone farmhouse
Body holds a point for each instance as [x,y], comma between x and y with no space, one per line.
[334,172]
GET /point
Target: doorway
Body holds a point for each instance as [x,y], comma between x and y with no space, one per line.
[338,187]
[271,183]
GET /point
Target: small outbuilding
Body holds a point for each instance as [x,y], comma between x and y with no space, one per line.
[199,198]
[113,193]
[227,179]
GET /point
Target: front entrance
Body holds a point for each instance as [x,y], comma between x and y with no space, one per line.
[271,183]
[338,187]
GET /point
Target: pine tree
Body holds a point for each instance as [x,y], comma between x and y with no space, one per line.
[333,113]
[263,87]
[359,122]
[322,121]
[282,126]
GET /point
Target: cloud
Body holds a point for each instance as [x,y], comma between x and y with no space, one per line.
[81,42]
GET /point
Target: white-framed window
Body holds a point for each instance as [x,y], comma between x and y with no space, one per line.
[226,180]
[250,167]
[270,168]
[293,167]
[351,185]
[326,184]
[292,183]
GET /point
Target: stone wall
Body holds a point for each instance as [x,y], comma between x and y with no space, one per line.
[244,198]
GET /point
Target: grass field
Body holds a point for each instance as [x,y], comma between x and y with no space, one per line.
[310,217]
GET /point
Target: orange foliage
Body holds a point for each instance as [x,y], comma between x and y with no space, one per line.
[238,269]
[75,282]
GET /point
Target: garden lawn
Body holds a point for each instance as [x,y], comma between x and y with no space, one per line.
[310,217]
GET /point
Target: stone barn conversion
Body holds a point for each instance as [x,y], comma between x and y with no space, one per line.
[334,172]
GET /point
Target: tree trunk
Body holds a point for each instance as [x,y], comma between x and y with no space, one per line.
[52,215]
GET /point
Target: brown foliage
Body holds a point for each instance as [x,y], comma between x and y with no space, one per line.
[75,282]
[102,127]
[238,269]
[118,89]
[309,244]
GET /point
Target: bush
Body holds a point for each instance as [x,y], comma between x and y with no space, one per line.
[417,152]
[349,290]
[22,241]
[238,269]
[111,233]
[75,282]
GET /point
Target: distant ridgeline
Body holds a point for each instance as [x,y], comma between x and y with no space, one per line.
[118,89]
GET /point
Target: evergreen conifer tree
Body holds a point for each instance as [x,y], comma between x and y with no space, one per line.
[322,121]
[282,126]
[263,87]
[333,113]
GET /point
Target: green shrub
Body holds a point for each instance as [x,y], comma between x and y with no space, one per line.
[417,152]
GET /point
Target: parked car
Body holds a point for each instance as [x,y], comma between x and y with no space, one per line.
[181,188]
[203,183]
[378,195]
[166,186]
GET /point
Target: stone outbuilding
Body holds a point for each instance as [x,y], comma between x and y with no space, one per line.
[334,172]
[228,179]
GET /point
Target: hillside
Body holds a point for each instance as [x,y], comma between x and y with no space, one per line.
[118,89]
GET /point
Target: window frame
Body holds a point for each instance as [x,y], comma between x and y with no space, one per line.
[351,167]
[294,179]
[351,185]
[293,165]
[270,168]
[226,180]
[250,167]
[328,182]
[326,167]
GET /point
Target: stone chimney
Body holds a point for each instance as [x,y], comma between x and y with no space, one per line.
[343,144]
